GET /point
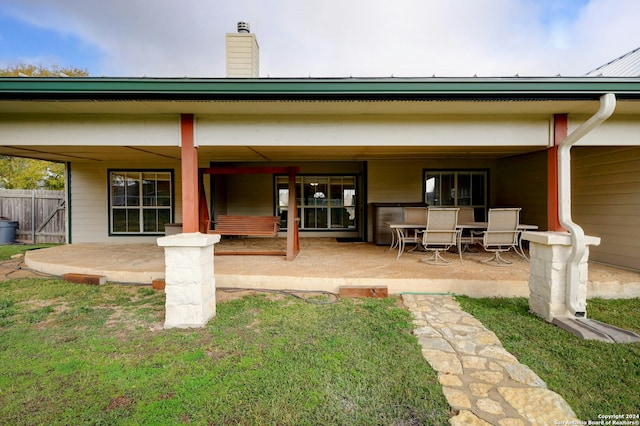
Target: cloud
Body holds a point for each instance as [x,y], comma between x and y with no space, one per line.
[342,38]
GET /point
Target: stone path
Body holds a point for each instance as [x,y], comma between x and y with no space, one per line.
[481,380]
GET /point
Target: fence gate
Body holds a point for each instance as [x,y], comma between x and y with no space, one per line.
[40,214]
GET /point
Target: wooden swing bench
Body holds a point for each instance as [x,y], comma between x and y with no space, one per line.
[246,226]
[250,226]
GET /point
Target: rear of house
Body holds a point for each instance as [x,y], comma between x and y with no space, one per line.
[364,148]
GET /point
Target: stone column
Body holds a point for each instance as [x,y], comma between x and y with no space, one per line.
[189,280]
[548,274]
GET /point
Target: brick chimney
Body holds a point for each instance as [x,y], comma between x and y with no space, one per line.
[243,53]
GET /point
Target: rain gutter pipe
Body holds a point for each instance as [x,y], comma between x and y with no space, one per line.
[576,305]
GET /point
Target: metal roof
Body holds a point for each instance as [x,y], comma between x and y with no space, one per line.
[627,65]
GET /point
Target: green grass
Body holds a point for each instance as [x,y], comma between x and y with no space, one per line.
[8,250]
[594,377]
[76,354]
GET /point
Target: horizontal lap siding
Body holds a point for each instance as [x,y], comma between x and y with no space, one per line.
[606,201]
[401,181]
[90,204]
[521,181]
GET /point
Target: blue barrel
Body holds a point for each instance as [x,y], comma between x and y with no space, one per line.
[8,231]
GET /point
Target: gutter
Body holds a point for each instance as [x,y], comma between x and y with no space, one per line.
[576,304]
[421,89]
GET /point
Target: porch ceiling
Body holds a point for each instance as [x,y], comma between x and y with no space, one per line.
[499,108]
[313,107]
[257,153]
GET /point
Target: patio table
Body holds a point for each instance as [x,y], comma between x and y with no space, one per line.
[398,234]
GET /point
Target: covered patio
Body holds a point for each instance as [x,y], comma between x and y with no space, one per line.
[324,264]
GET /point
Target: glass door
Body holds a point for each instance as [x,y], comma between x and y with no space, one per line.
[324,202]
[457,189]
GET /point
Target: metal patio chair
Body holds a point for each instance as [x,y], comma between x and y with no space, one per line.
[440,234]
[465,239]
[501,234]
[417,215]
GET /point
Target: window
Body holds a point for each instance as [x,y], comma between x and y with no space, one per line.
[140,202]
[465,188]
[324,202]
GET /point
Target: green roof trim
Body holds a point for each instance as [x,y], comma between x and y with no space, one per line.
[317,88]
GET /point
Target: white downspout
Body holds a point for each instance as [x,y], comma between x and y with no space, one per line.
[576,305]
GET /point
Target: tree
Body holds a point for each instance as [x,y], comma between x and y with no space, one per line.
[26,173]
[41,71]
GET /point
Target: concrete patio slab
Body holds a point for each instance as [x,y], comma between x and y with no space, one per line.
[323,264]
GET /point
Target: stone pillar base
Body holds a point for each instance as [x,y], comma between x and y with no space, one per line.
[189,280]
[548,274]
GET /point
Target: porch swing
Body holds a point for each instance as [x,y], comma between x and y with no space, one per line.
[252,225]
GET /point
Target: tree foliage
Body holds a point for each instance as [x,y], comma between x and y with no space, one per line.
[41,71]
[26,173]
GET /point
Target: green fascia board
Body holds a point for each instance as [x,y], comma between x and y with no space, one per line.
[316,88]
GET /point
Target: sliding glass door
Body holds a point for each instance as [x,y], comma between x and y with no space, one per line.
[324,202]
[464,188]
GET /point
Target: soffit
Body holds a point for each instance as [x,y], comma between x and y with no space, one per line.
[441,107]
[149,155]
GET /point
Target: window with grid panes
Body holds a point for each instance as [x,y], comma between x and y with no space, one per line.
[140,202]
[457,188]
[323,202]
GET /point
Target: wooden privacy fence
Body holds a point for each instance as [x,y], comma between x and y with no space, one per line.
[40,214]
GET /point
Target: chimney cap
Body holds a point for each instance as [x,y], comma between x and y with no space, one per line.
[243,27]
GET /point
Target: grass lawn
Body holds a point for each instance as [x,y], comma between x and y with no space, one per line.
[8,250]
[77,354]
[595,378]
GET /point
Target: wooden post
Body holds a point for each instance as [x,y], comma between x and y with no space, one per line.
[189,164]
[560,129]
[293,242]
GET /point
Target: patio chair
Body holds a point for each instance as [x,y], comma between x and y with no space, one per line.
[465,215]
[501,234]
[417,215]
[440,234]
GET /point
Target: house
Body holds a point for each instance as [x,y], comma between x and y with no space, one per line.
[364,146]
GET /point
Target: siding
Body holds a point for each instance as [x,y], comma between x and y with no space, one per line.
[90,204]
[521,181]
[392,181]
[606,201]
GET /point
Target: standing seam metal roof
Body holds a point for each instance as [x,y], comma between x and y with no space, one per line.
[627,65]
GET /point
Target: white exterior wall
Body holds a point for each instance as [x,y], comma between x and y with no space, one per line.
[90,200]
[370,131]
[89,179]
[616,131]
[78,130]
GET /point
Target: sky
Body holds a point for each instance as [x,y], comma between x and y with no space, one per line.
[321,38]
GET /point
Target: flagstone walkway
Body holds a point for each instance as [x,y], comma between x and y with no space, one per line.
[483,382]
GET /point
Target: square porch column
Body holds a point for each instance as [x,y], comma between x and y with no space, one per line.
[189,279]
[548,252]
